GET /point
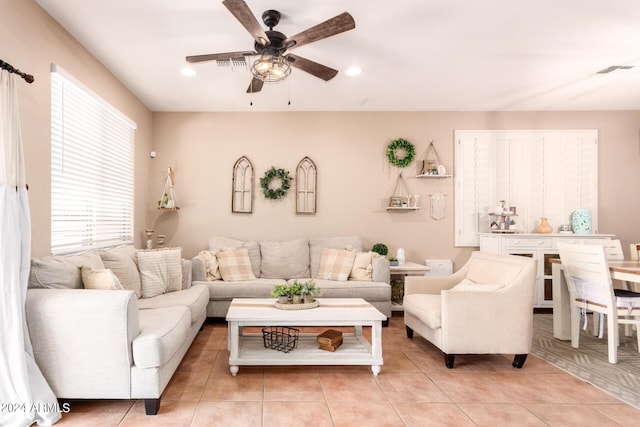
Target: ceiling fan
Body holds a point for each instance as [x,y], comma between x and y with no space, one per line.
[274,64]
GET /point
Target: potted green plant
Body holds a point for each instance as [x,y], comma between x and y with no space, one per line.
[295,291]
[309,291]
[393,261]
[380,248]
[281,292]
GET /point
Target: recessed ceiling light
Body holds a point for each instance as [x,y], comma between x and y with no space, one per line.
[353,71]
[188,72]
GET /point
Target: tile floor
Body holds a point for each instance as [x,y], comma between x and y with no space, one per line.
[413,389]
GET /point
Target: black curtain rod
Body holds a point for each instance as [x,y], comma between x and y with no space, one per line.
[10,68]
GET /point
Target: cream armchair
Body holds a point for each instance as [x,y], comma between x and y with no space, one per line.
[486,307]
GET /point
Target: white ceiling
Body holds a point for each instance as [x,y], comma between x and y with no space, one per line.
[416,55]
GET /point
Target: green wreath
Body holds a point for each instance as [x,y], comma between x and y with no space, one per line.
[270,175]
[400,144]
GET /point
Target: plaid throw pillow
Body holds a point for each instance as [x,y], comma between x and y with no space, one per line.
[336,264]
[235,264]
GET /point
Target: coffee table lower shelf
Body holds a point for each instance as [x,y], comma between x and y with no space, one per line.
[355,350]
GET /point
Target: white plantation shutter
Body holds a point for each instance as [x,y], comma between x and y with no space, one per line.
[91,169]
[542,173]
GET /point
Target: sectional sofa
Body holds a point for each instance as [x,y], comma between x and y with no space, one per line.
[113,344]
[277,262]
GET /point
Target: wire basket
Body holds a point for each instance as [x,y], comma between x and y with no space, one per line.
[280,338]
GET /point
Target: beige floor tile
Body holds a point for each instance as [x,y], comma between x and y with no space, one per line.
[423,414]
[431,361]
[292,414]
[624,415]
[228,414]
[496,414]
[358,414]
[244,386]
[566,415]
[410,387]
[292,387]
[87,412]
[187,385]
[171,414]
[397,361]
[469,387]
[351,387]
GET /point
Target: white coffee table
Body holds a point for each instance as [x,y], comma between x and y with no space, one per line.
[248,349]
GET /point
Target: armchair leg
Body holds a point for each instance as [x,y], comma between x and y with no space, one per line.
[448,360]
[152,406]
[409,332]
[518,360]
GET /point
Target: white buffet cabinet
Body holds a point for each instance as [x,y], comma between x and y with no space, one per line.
[542,247]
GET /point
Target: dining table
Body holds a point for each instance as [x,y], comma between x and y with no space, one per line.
[627,271]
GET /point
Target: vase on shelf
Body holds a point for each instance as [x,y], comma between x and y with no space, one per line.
[544,227]
[581,221]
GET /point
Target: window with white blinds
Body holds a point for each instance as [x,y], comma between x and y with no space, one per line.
[91,169]
[542,173]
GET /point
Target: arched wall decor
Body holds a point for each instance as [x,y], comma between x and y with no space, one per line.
[306,187]
[242,186]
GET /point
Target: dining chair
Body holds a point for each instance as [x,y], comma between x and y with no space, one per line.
[590,289]
[634,250]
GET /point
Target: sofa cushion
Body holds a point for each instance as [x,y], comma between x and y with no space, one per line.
[235,264]
[162,332]
[336,264]
[363,266]
[284,260]
[194,298]
[160,271]
[317,244]
[426,307]
[212,266]
[226,291]
[217,243]
[62,272]
[100,279]
[122,261]
[370,291]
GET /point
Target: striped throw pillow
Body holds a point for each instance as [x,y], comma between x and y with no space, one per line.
[336,264]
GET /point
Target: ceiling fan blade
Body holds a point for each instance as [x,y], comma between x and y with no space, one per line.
[242,13]
[219,56]
[321,71]
[336,25]
[255,86]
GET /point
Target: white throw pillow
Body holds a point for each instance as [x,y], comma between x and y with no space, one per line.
[470,285]
[160,271]
[235,264]
[100,279]
[336,264]
[363,266]
[213,270]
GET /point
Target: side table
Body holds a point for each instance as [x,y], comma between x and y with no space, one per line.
[398,273]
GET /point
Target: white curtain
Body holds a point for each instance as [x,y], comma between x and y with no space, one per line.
[25,395]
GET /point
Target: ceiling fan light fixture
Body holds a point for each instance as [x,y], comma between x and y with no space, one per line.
[271,69]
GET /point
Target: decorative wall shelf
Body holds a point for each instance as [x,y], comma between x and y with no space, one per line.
[429,176]
[403,208]
[168,200]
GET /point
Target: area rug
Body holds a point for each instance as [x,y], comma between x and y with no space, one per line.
[590,362]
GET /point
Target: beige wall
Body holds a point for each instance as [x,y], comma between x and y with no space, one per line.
[354,179]
[31,41]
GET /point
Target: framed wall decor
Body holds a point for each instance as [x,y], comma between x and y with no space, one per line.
[306,187]
[242,186]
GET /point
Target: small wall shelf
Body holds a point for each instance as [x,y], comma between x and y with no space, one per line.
[429,176]
[403,208]
[168,201]
[168,209]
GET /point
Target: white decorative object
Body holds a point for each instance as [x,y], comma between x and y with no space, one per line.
[442,170]
[438,205]
[400,256]
[168,199]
